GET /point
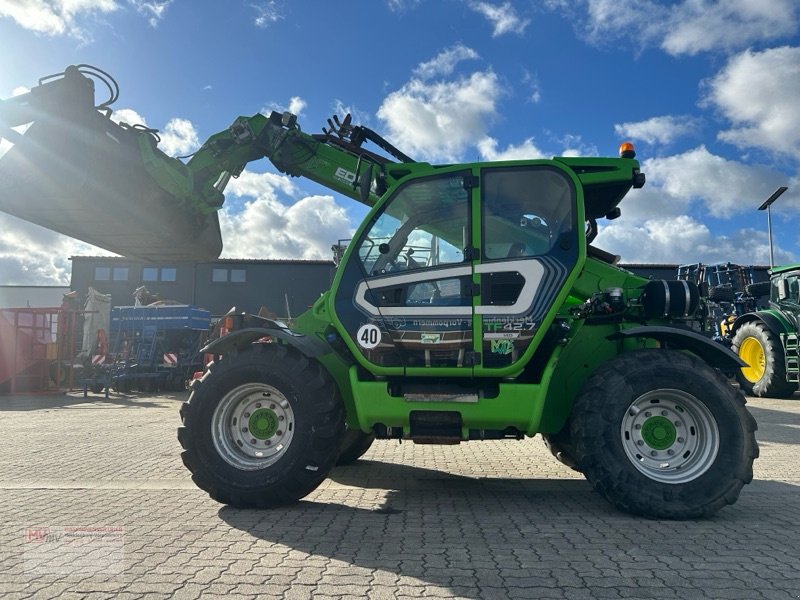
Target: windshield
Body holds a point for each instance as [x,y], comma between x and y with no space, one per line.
[424,225]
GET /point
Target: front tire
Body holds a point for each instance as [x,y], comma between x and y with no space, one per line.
[661,434]
[762,350]
[261,428]
[561,447]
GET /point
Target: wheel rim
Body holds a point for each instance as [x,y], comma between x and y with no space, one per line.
[252,426]
[670,436]
[752,352]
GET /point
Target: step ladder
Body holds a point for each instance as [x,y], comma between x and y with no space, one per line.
[792,357]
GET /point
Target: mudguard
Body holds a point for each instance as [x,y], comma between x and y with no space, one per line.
[236,340]
[713,353]
[773,323]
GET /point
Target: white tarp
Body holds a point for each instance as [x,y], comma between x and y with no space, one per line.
[97,317]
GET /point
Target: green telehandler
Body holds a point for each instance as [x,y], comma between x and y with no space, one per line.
[470,305]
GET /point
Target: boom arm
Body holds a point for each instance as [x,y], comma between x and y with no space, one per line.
[77,172]
[335,159]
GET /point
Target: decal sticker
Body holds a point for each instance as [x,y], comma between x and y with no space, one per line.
[397,323]
[368,336]
[502,347]
[345,175]
[506,324]
[508,335]
[430,338]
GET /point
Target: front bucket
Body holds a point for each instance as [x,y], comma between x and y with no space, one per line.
[83,175]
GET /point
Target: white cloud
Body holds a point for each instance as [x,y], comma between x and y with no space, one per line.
[532,81]
[268,228]
[153,10]
[68,17]
[54,17]
[660,224]
[267,13]
[658,130]
[359,117]
[179,136]
[758,92]
[685,27]
[725,187]
[129,116]
[445,62]
[401,5]
[701,25]
[296,106]
[438,121]
[526,150]
[257,185]
[33,255]
[684,240]
[573,145]
[503,17]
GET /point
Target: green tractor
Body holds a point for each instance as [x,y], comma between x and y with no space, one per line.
[767,339]
[470,305]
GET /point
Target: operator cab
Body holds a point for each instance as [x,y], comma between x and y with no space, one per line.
[458,269]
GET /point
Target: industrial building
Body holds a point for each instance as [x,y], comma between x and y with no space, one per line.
[285,287]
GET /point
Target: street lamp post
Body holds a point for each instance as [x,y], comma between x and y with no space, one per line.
[766,206]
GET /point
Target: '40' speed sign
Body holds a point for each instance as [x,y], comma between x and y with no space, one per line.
[368,336]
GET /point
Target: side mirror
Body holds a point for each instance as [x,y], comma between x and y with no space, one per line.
[783,289]
[364,185]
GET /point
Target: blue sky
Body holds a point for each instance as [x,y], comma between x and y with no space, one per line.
[706,90]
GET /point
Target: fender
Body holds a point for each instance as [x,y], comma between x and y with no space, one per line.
[713,353]
[773,323]
[242,338]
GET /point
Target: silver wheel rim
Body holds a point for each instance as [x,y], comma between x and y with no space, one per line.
[670,436]
[252,426]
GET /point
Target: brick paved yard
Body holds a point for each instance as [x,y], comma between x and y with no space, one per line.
[95,503]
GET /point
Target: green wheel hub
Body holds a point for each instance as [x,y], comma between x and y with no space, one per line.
[670,435]
[263,423]
[659,433]
[252,426]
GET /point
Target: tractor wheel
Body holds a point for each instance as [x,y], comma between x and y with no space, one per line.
[721,293]
[763,351]
[661,434]
[758,289]
[261,428]
[561,446]
[353,446]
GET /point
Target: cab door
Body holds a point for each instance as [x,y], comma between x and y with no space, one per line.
[405,295]
[530,244]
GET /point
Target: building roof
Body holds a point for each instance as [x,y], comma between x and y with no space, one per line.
[255,261]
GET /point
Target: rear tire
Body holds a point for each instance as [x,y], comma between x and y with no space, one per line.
[353,446]
[762,349]
[261,428]
[661,434]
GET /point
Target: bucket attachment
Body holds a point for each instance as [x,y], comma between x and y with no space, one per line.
[77,172]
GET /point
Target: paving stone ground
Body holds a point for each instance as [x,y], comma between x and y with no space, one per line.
[95,503]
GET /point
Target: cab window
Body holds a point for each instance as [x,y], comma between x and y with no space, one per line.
[526,211]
